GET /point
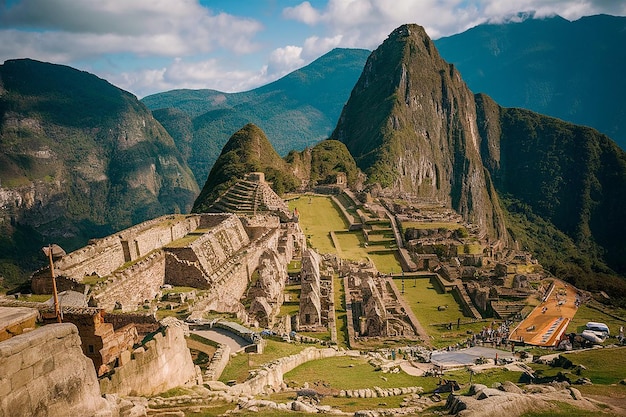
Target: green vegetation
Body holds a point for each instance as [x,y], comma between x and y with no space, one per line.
[347,373]
[329,157]
[239,365]
[295,111]
[247,150]
[318,217]
[424,298]
[341,317]
[587,313]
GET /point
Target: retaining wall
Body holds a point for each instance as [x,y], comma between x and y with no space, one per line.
[44,373]
[131,286]
[161,364]
[272,376]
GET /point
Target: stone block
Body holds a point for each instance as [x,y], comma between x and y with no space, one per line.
[125,357]
[30,357]
[43,367]
[5,387]
[10,365]
[21,378]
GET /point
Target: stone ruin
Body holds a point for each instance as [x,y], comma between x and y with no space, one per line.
[250,196]
[218,253]
[310,304]
[375,306]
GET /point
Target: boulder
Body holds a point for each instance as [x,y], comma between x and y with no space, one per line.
[575,394]
[508,386]
[490,392]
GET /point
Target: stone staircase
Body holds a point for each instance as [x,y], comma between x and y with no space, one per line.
[249,196]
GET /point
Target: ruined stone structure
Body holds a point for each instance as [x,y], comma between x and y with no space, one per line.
[267,289]
[251,196]
[215,252]
[15,321]
[310,303]
[44,373]
[100,341]
[162,363]
[376,310]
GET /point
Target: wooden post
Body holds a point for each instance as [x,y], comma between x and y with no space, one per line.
[54,285]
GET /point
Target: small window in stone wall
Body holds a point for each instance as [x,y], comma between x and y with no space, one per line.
[90,348]
[307,318]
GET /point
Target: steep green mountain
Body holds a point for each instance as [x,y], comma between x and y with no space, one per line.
[79,158]
[249,150]
[571,176]
[295,111]
[410,124]
[570,70]
[414,127]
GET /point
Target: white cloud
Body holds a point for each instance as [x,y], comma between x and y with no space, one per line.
[303,12]
[180,73]
[285,60]
[77,30]
[366,23]
[315,46]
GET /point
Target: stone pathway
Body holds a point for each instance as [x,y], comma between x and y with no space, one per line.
[224,337]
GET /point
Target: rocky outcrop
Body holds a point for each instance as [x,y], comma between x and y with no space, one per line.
[44,373]
[510,400]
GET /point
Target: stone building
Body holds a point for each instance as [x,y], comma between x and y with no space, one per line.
[310,303]
[101,342]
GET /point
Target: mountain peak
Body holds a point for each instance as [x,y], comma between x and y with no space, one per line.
[410,123]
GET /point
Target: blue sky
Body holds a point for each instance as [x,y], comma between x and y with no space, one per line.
[150,46]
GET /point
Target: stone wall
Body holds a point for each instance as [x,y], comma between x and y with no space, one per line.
[44,373]
[102,257]
[16,320]
[272,376]
[193,264]
[131,286]
[161,364]
[144,322]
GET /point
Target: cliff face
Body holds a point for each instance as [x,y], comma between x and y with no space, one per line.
[411,125]
[80,158]
[572,176]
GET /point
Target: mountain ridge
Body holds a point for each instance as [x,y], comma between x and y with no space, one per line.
[80,158]
[566,69]
[295,111]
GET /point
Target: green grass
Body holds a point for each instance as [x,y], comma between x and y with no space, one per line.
[604,366]
[351,245]
[93,279]
[344,372]
[423,298]
[35,298]
[341,317]
[239,365]
[562,409]
[586,313]
[386,262]
[318,217]
[294,266]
